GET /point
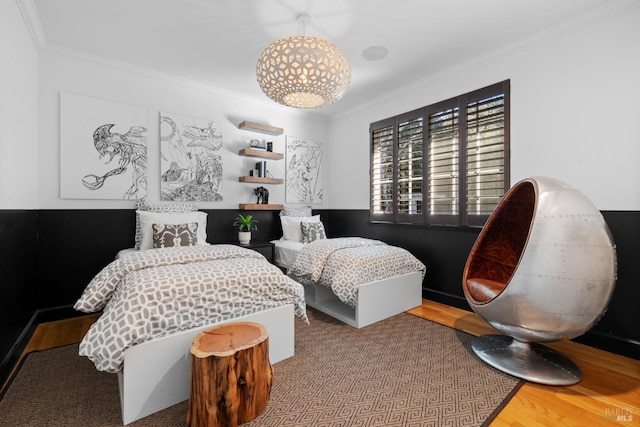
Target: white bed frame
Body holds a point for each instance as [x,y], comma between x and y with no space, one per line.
[156,373]
[376,300]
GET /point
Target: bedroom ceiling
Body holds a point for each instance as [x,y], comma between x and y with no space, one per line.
[217,42]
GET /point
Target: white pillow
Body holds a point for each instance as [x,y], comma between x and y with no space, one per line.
[291,226]
[147,219]
[166,208]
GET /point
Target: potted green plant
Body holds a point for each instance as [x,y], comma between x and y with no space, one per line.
[246,224]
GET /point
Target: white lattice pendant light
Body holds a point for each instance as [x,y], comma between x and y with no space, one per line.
[303,71]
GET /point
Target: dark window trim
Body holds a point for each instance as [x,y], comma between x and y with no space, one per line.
[463,218]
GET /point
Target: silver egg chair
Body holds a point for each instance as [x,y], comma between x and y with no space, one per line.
[542,269]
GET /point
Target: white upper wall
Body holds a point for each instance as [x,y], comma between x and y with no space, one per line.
[575,113]
[18,112]
[61,72]
[573,96]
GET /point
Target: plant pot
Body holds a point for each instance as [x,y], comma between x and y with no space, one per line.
[244,237]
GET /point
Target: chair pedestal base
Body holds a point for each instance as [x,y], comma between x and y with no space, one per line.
[529,361]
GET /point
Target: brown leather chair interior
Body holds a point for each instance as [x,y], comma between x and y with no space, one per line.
[496,254]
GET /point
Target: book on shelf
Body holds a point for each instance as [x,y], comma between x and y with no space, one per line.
[262,169]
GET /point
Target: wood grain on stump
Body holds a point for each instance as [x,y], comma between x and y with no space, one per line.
[231,376]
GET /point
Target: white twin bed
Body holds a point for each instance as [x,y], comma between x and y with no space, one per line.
[362,296]
[358,281]
[156,300]
[285,253]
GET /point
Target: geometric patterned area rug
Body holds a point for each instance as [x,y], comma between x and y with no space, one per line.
[403,371]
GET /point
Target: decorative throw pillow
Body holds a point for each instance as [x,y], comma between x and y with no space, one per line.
[169,235]
[147,219]
[312,231]
[291,226]
[296,211]
[143,205]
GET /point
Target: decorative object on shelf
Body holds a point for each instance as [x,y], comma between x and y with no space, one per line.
[303,71]
[303,171]
[270,146]
[260,175]
[259,127]
[190,161]
[256,144]
[263,195]
[246,224]
[262,169]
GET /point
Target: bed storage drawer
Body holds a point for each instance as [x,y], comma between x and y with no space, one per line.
[376,300]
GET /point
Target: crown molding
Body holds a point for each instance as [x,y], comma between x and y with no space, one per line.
[568,26]
[55,49]
[32,21]
[605,11]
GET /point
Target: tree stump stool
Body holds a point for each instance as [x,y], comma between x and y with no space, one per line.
[231,375]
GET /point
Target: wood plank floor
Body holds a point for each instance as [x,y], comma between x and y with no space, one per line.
[610,385]
[609,393]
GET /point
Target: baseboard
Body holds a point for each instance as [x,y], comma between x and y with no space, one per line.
[607,342]
[39,316]
[445,298]
[13,356]
[611,343]
[57,313]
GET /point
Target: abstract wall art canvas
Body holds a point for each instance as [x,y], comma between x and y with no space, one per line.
[190,159]
[103,149]
[303,171]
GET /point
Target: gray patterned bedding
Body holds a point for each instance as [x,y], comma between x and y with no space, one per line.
[156,292]
[343,264]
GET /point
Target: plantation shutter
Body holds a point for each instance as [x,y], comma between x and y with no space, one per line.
[397,152]
[486,127]
[444,163]
[485,155]
[410,149]
[382,182]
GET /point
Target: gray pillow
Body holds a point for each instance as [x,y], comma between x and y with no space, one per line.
[170,235]
[312,231]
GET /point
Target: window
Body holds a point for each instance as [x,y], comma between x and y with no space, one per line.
[444,164]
